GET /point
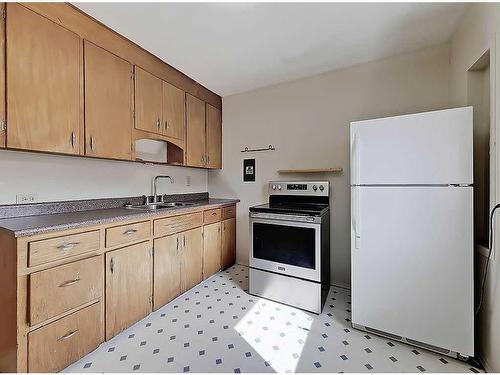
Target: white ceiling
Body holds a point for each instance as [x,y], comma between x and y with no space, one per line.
[236,47]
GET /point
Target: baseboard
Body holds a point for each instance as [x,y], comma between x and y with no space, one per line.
[485,364]
[341,285]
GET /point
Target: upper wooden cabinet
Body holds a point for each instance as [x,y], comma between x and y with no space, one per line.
[148,102]
[108,104]
[174,111]
[2,79]
[44,91]
[195,142]
[71,85]
[214,137]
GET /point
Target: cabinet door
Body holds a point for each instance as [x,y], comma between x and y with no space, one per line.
[128,287]
[44,92]
[195,112]
[211,249]
[148,90]
[191,258]
[108,104]
[214,137]
[228,242]
[2,78]
[167,270]
[174,111]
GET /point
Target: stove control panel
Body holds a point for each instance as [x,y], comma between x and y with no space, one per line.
[317,188]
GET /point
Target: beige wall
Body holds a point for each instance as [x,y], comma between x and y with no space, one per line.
[308,122]
[475,34]
[55,178]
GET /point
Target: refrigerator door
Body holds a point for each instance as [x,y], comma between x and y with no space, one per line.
[412,263]
[420,149]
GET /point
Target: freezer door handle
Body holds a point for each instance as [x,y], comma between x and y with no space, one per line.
[355,159]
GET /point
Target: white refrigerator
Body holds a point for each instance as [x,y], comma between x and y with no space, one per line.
[412,229]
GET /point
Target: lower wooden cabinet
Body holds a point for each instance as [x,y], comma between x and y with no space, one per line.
[177,265]
[128,286]
[59,344]
[79,287]
[228,242]
[211,249]
[167,270]
[191,258]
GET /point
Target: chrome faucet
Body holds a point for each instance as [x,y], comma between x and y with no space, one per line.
[155,185]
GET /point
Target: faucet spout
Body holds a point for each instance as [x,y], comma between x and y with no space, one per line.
[155,185]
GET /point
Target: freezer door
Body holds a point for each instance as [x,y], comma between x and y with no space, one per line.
[425,148]
[412,263]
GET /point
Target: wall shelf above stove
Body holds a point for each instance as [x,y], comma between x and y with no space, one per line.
[311,170]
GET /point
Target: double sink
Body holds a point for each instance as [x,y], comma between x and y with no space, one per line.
[158,206]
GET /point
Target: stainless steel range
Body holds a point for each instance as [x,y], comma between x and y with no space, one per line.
[290,244]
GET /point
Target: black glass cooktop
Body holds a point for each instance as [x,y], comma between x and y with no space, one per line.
[311,209]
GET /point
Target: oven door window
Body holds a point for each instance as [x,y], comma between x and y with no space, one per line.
[285,244]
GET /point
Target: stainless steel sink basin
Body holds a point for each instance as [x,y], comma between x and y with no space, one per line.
[158,206]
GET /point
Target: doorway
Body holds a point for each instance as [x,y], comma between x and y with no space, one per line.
[479,96]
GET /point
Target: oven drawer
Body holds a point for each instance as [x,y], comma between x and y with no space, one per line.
[60,289]
[52,249]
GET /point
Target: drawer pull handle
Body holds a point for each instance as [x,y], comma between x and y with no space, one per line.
[130,231]
[214,213]
[69,282]
[68,246]
[67,335]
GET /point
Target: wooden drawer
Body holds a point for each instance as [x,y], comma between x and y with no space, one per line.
[57,345]
[60,289]
[52,249]
[175,224]
[228,212]
[212,216]
[125,234]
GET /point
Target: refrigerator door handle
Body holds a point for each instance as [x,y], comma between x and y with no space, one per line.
[356,218]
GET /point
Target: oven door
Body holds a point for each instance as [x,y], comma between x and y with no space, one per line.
[285,246]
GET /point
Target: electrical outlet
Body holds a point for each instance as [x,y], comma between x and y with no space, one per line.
[25,198]
[188,180]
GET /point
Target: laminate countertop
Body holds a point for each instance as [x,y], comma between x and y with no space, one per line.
[37,224]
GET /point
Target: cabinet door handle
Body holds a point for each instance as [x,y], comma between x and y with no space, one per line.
[69,282]
[112,265]
[158,124]
[73,139]
[184,240]
[68,246]
[67,335]
[130,231]
[177,243]
[166,125]
[92,143]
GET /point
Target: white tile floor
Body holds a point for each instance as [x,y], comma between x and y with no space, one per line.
[218,327]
